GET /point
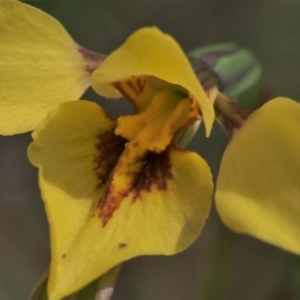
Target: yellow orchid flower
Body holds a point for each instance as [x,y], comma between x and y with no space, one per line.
[115,189]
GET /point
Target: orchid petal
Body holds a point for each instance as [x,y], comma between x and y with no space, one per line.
[41,66]
[258,187]
[150,52]
[106,206]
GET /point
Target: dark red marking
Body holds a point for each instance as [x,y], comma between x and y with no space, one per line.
[131,85]
[141,83]
[108,205]
[154,172]
[119,87]
[93,59]
[110,148]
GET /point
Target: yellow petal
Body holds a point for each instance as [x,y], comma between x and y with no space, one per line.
[258,188]
[158,215]
[148,51]
[65,150]
[41,66]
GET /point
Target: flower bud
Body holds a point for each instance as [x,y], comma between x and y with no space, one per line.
[235,70]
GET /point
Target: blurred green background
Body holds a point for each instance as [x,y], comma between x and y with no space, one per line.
[221,264]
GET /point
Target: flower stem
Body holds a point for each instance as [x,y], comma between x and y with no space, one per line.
[100,289]
[229,114]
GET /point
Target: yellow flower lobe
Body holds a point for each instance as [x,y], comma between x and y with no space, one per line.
[149,52]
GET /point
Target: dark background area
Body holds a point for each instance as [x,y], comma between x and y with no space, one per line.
[221,264]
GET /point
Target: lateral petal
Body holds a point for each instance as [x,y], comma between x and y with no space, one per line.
[258,187]
[41,66]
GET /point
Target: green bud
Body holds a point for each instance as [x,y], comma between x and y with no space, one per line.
[236,71]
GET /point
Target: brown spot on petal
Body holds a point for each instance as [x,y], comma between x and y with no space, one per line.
[141,82]
[151,171]
[92,59]
[110,148]
[108,204]
[123,91]
[155,172]
[131,88]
